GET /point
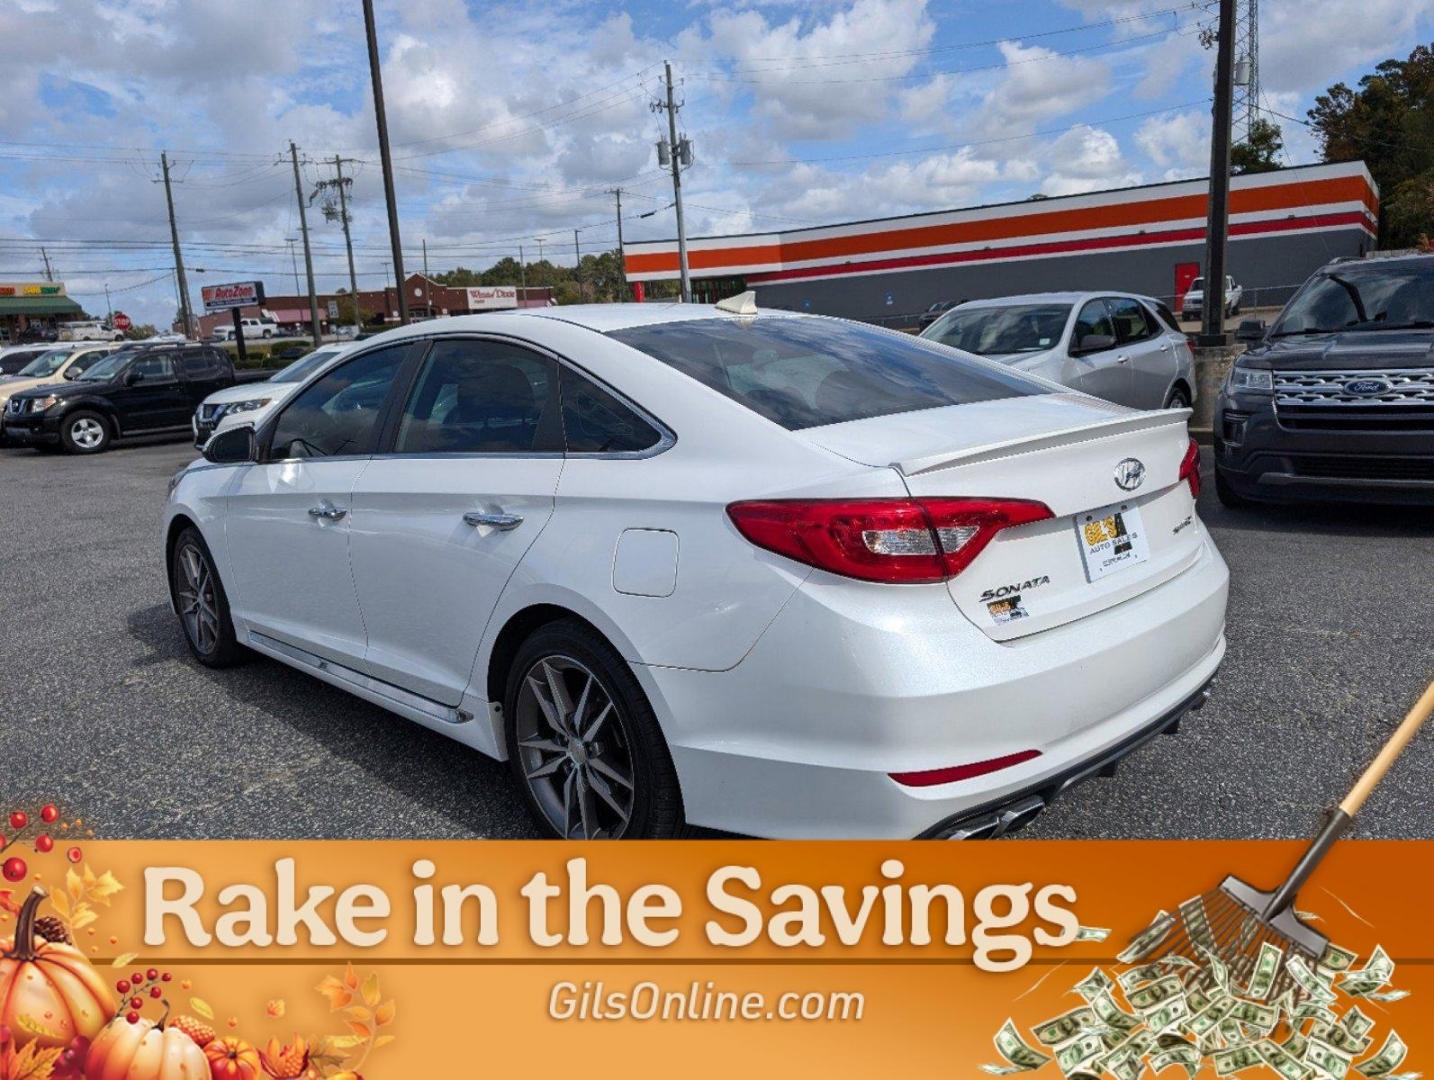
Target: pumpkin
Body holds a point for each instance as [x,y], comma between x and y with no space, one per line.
[144,1050]
[49,994]
[233,1059]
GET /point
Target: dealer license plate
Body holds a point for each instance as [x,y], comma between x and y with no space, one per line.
[1111,539]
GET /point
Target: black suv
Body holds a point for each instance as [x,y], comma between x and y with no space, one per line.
[140,390]
[1336,400]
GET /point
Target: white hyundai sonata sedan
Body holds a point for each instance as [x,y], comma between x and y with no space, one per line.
[682,565]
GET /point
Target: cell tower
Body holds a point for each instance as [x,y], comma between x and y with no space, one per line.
[1247,69]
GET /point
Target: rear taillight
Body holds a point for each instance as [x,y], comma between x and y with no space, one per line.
[1190,468]
[891,540]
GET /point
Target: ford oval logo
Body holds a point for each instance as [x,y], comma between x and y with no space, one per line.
[1366,387]
[1129,474]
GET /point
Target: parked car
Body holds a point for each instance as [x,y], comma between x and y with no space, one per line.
[252,328]
[1118,346]
[136,390]
[771,573]
[88,330]
[59,363]
[1193,303]
[15,357]
[346,332]
[934,312]
[1337,401]
[250,402]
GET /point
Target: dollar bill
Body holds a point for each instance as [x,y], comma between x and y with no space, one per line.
[1020,1057]
[1282,1061]
[1327,1059]
[1355,1022]
[1092,933]
[1259,1016]
[1375,974]
[1209,1018]
[1094,984]
[1112,1015]
[1235,1059]
[1267,966]
[1387,996]
[1168,1015]
[1391,1055]
[1149,939]
[1071,1057]
[1153,995]
[1217,969]
[1185,1055]
[1336,959]
[1065,1027]
[1296,1043]
[1312,1010]
[1308,981]
[1145,973]
[1197,923]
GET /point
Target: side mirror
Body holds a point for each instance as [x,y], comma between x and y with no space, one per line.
[133,377]
[70,374]
[1251,331]
[234,446]
[1094,343]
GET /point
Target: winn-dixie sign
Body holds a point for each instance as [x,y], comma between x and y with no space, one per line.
[237,294]
[491,297]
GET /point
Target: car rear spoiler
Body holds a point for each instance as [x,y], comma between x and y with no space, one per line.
[1099,429]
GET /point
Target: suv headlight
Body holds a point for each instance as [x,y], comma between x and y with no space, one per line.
[1245,378]
[43,403]
[246,406]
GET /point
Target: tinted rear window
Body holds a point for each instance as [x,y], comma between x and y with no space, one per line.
[804,373]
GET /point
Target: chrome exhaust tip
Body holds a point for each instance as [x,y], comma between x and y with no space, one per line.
[993,824]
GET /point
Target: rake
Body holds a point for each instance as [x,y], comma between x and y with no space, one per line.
[1234,921]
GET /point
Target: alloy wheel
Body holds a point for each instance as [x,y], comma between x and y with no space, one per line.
[574,750]
[198,607]
[87,433]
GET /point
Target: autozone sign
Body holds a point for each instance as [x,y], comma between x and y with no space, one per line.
[236,294]
[492,297]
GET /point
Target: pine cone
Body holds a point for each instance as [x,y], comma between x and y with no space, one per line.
[52,929]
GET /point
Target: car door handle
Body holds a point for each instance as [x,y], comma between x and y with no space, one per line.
[1122,359]
[327,511]
[494,521]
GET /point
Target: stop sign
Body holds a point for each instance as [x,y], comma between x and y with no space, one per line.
[122,321]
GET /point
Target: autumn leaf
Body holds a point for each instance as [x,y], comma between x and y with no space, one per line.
[202,1007]
[103,888]
[363,1031]
[84,915]
[123,960]
[32,1062]
[371,994]
[276,1008]
[74,885]
[359,1013]
[351,979]
[338,994]
[383,1040]
[61,903]
[336,1043]
[384,1014]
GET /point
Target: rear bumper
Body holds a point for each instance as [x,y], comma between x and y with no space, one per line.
[1264,460]
[849,686]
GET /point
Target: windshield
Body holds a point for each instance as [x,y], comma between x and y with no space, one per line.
[807,372]
[996,331]
[107,368]
[1363,297]
[46,363]
[305,366]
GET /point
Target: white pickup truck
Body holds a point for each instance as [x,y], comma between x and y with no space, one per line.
[1194,303]
[253,328]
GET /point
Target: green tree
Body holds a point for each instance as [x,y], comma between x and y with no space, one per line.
[1261,150]
[140,332]
[1388,122]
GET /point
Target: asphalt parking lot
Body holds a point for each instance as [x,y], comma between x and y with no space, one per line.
[102,708]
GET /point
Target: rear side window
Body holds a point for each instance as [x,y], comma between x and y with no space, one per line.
[153,369]
[1132,322]
[482,397]
[807,372]
[595,422]
[198,363]
[339,413]
[1167,317]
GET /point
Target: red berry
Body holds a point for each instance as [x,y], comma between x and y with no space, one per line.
[122,986]
[132,1017]
[49,813]
[74,854]
[165,977]
[136,1003]
[155,991]
[43,844]
[152,974]
[137,978]
[19,819]
[14,869]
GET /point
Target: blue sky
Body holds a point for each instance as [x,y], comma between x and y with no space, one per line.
[511,122]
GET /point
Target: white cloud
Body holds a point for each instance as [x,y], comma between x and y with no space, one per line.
[1306,44]
[1179,144]
[1086,159]
[1038,85]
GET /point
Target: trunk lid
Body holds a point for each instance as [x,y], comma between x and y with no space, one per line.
[1062,450]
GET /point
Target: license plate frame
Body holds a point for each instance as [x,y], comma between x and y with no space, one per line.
[1111,539]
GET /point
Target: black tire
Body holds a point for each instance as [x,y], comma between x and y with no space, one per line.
[85,432]
[1179,398]
[210,636]
[1228,496]
[630,736]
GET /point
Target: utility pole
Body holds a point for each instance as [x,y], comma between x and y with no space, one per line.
[425,256]
[293,260]
[308,255]
[390,197]
[341,183]
[108,305]
[186,313]
[522,275]
[677,153]
[621,255]
[1218,218]
[578,263]
[49,273]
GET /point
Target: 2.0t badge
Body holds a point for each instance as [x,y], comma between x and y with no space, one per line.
[1129,473]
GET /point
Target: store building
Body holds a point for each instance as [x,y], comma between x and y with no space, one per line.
[1148,239]
[31,309]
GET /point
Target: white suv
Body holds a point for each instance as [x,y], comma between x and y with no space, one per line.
[770,573]
[252,328]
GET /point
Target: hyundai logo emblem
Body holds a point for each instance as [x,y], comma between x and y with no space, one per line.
[1366,387]
[1129,474]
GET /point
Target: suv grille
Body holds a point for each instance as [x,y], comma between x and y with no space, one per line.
[1383,400]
